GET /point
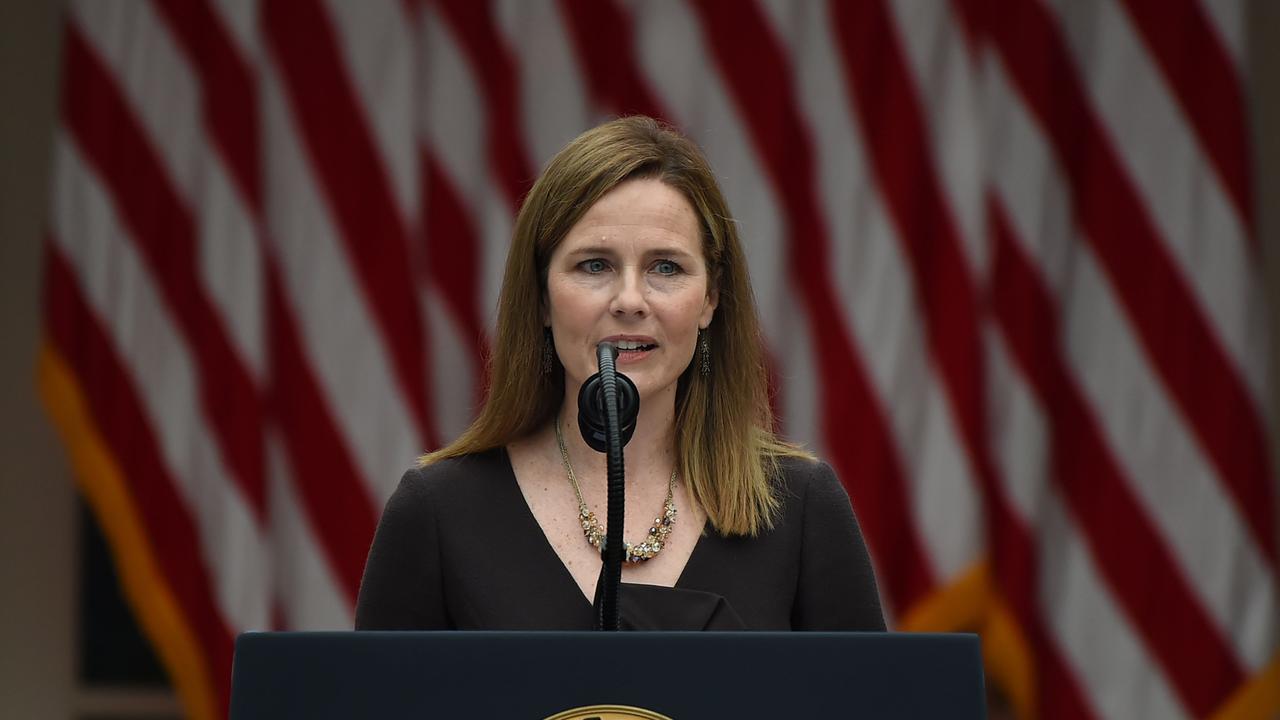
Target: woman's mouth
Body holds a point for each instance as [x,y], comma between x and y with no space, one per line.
[633,350]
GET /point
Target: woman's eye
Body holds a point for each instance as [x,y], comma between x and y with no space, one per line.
[666,267]
[594,265]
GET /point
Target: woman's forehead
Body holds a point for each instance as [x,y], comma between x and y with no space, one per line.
[638,210]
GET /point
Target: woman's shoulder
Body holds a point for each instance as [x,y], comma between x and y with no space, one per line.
[801,476]
[453,478]
[808,490]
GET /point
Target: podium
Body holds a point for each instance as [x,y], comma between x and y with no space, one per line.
[537,675]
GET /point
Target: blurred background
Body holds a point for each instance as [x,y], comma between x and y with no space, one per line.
[1016,262]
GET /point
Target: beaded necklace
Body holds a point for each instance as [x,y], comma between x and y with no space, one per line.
[658,532]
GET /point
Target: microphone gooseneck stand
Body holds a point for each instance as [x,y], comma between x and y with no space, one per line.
[607,408]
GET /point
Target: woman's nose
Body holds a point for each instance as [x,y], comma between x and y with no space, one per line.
[628,297]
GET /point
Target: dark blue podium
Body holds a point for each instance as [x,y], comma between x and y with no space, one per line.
[540,674]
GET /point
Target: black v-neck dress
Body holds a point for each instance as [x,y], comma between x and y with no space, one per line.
[458,549]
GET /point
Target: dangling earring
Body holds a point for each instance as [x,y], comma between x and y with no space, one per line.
[546,351]
[704,352]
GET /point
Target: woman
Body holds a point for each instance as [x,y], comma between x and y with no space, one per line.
[624,237]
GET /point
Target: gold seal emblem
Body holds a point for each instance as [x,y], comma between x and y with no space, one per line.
[608,712]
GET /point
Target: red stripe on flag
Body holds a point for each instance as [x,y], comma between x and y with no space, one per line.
[1125,546]
[605,43]
[327,114]
[161,226]
[453,254]
[230,101]
[339,509]
[1205,82]
[342,515]
[109,390]
[475,29]
[757,74]
[1179,341]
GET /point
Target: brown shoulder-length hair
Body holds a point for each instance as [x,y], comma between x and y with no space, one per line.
[725,445]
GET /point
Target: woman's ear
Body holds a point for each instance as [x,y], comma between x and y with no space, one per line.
[709,308]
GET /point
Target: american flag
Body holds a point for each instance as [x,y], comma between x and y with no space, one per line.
[1005,253]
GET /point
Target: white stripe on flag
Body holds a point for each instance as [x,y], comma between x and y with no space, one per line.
[1119,676]
[948,90]
[455,374]
[378,53]
[310,596]
[556,105]
[454,123]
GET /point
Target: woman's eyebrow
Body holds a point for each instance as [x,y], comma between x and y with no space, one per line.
[592,250]
[668,251]
[606,251]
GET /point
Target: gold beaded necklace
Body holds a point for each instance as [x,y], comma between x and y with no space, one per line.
[658,532]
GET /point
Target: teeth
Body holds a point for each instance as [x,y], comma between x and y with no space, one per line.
[630,345]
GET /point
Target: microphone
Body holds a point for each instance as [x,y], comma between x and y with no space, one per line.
[591,402]
[608,405]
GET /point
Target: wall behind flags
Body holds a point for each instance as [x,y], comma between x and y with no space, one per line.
[1038,235]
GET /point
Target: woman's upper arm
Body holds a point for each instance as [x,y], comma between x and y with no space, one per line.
[837,585]
[401,588]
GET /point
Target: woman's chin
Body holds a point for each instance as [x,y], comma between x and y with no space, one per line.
[650,390]
[639,373]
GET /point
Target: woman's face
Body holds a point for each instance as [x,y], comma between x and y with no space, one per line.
[631,271]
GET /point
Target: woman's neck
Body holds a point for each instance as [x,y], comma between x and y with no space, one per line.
[649,455]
